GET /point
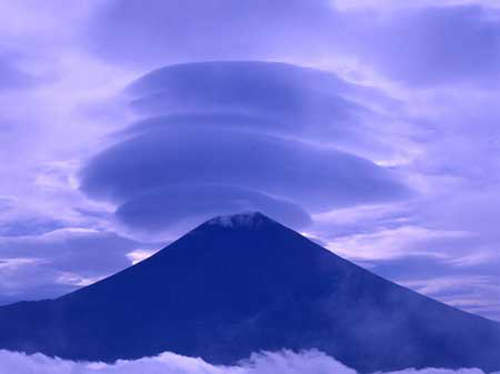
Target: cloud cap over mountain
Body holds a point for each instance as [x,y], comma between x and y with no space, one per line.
[246,134]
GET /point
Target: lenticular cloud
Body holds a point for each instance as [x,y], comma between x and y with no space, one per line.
[285,362]
[224,137]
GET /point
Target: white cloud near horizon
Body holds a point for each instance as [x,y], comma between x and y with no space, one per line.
[284,362]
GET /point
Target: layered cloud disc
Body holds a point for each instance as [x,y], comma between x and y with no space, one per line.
[193,203]
[266,97]
[221,137]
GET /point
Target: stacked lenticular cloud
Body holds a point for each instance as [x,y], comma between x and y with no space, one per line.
[223,137]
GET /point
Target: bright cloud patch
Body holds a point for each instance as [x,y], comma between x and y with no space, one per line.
[285,362]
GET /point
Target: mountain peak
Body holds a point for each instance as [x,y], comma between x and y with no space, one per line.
[245,283]
[251,219]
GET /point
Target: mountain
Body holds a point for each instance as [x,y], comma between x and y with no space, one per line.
[245,283]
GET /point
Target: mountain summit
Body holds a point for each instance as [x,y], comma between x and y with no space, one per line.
[244,283]
[249,220]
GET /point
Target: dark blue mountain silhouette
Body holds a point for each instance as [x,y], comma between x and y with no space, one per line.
[245,283]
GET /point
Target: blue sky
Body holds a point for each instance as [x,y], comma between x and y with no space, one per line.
[370,126]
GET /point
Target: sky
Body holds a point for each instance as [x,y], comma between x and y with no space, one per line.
[368,126]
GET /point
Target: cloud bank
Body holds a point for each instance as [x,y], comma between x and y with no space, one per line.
[285,362]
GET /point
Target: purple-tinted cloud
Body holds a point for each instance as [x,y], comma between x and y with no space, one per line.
[185,163]
[418,45]
[189,204]
[41,266]
[12,77]
[283,362]
[148,32]
[432,45]
[316,176]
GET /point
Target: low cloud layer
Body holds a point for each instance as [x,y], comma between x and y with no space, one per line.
[285,362]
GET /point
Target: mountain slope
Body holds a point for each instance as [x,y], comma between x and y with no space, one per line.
[245,283]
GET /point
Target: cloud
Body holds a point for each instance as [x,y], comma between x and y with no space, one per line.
[395,4]
[139,255]
[423,244]
[420,45]
[238,136]
[11,77]
[151,31]
[285,362]
[29,226]
[269,98]
[479,294]
[402,241]
[167,206]
[48,265]
[317,176]
[281,91]
[433,45]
